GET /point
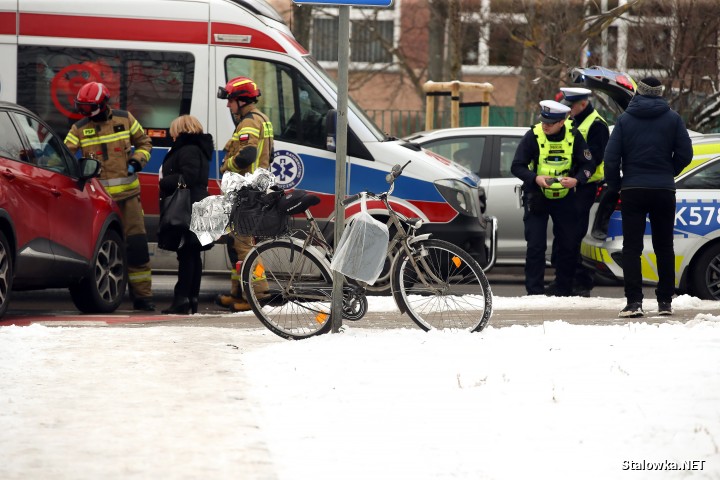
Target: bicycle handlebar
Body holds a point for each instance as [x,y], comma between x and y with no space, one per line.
[351,199]
[396,172]
[390,178]
[357,196]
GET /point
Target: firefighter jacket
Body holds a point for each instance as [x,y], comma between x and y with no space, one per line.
[251,146]
[116,142]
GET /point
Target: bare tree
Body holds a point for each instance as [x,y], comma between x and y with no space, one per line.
[677,41]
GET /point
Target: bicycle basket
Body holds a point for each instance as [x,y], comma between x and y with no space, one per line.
[255,214]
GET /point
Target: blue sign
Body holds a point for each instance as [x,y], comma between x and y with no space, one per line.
[349,3]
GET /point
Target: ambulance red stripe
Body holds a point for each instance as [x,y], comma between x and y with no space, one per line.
[7,23]
[127,29]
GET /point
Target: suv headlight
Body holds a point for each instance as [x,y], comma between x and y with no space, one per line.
[460,196]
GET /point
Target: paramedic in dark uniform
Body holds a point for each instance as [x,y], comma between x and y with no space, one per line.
[118,141]
[594,130]
[551,160]
[250,148]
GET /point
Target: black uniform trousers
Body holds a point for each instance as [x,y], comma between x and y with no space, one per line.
[659,205]
[584,198]
[564,216]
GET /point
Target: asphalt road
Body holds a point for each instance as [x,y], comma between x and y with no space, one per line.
[54,307]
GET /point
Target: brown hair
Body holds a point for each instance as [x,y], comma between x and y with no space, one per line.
[185,124]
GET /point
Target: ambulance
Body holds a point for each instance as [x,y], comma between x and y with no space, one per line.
[164,58]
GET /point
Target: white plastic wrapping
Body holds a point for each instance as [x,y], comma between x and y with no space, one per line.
[210,216]
[362,249]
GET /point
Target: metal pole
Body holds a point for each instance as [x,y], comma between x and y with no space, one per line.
[341,155]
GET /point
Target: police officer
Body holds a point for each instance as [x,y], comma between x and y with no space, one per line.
[551,160]
[594,130]
[118,141]
[250,148]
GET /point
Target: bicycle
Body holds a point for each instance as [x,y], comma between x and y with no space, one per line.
[438,284]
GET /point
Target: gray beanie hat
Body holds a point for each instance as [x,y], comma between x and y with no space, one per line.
[650,87]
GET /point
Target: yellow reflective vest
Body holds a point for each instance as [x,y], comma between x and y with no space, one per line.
[555,159]
[584,128]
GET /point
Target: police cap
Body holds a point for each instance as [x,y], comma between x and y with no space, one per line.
[574,94]
[552,111]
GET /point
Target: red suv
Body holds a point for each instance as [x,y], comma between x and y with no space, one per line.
[58,226]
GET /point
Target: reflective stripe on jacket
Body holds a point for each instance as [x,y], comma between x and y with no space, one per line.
[113,142]
[254,131]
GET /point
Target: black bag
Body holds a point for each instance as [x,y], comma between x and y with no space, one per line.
[255,214]
[175,214]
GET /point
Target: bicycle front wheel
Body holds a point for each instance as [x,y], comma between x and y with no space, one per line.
[288,288]
[448,290]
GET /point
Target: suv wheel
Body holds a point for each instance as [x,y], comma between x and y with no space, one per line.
[103,290]
[6,274]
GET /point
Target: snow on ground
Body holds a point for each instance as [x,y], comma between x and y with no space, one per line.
[556,401]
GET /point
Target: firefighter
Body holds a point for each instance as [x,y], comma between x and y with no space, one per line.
[118,141]
[551,160]
[250,148]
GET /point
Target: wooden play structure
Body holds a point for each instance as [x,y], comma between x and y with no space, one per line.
[454,88]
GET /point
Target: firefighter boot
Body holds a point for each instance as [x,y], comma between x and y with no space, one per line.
[227,300]
[240,306]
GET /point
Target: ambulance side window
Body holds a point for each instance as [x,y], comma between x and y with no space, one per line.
[296,109]
[154,86]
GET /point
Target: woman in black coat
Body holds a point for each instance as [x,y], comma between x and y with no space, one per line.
[189,157]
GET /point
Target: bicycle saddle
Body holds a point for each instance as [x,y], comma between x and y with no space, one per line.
[297,201]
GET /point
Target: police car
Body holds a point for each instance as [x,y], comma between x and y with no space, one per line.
[697,229]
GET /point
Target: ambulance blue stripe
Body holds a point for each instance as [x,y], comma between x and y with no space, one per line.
[362,178]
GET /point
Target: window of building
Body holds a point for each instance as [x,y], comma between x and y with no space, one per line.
[502,49]
[649,46]
[602,50]
[372,35]
[488,31]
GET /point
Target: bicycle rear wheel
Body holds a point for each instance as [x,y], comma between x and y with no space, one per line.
[288,288]
[457,295]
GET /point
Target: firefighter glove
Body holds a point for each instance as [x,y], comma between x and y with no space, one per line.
[133,167]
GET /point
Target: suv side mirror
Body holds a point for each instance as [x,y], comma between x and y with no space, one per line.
[89,168]
[331,128]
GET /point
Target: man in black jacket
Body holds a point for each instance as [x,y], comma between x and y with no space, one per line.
[650,145]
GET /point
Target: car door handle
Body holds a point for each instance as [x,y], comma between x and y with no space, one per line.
[9,175]
[55,192]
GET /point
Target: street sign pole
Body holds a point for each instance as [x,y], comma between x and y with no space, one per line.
[341,156]
[341,133]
